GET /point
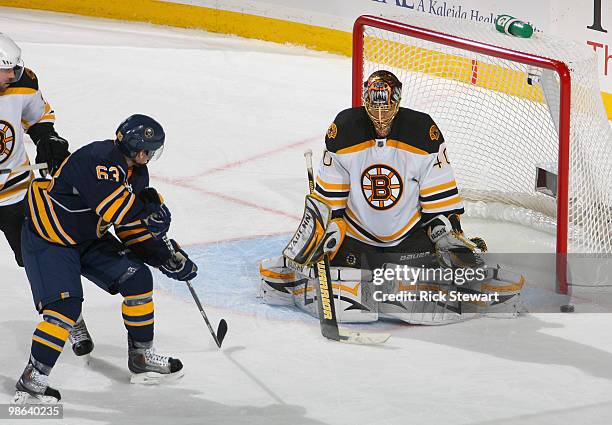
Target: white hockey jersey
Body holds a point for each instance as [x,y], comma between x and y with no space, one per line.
[21,106]
[385,188]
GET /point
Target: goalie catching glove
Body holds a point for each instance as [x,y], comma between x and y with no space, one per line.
[452,248]
[179,266]
[316,235]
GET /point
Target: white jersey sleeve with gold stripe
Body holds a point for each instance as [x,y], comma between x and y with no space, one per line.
[21,106]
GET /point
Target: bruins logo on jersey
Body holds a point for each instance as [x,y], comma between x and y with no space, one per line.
[434,133]
[30,74]
[332,131]
[7,140]
[382,186]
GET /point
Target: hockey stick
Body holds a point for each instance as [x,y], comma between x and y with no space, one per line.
[222,328]
[41,166]
[325,293]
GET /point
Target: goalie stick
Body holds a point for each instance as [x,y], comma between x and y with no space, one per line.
[41,166]
[325,294]
[222,328]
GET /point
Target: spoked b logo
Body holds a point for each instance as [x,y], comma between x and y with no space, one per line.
[7,140]
[382,186]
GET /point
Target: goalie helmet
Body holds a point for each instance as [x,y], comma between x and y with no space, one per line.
[382,92]
[140,133]
[10,58]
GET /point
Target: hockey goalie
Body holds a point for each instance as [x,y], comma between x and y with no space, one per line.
[386,210]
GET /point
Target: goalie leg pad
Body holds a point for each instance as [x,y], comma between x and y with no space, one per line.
[278,282]
[353,298]
[497,294]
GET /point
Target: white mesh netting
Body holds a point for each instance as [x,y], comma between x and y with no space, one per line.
[499,128]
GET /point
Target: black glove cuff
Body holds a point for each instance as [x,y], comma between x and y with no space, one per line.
[40,130]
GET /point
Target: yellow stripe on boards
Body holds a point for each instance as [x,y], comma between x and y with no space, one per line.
[204,18]
[279,31]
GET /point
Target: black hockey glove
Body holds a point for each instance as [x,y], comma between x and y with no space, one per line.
[453,249]
[50,147]
[159,217]
[179,266]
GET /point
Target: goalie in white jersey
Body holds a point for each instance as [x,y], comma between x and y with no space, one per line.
[384,185]
[386,175]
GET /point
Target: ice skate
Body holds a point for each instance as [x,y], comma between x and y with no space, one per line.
[33,386]
[150,368]
[82,343]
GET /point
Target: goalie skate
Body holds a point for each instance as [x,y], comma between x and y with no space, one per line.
[150,368]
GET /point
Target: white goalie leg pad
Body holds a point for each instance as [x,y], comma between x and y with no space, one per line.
[278,283]
[424,301]
[439,301]
[353,298]
[505,288]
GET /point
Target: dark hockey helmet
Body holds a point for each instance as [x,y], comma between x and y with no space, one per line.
[140,132]
[382,92]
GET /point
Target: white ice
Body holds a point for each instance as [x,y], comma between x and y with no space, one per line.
[238,114]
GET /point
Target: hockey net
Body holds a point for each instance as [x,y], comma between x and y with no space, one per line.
[499,128]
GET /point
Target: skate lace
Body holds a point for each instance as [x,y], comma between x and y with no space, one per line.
[79,332]
[152,357]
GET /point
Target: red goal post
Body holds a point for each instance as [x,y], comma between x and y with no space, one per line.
[392,36]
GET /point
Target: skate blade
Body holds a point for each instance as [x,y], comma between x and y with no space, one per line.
[22,397]
[154,378]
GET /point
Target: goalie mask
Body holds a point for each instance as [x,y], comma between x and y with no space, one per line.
[382,92]
[10,60]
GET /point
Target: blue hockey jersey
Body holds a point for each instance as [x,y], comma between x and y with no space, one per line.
[92,190]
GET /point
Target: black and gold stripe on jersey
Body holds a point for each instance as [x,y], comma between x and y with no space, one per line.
[411,130]
[43,214]
[333,194]
[132,233]
[440,198]
[116,205]
[355,229]
[15,184]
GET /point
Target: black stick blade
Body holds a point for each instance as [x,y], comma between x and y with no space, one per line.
[221,331]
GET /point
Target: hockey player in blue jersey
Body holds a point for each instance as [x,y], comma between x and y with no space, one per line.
[65,236]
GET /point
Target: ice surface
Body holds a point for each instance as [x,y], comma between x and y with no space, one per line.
[238,115]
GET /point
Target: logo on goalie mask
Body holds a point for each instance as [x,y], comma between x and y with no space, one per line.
[7,140]
[382,186]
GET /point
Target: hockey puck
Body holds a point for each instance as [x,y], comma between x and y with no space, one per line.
[567,308]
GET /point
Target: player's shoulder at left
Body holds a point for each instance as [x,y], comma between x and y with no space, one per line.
[28,80]
[98,153]
[350,127]
[417,129]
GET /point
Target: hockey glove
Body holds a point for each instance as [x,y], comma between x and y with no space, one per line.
[50,147]
[452,248]
[159,217]
[179,266]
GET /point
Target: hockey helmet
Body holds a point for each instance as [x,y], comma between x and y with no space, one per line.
[140,133]
[382,92]
[10,57]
